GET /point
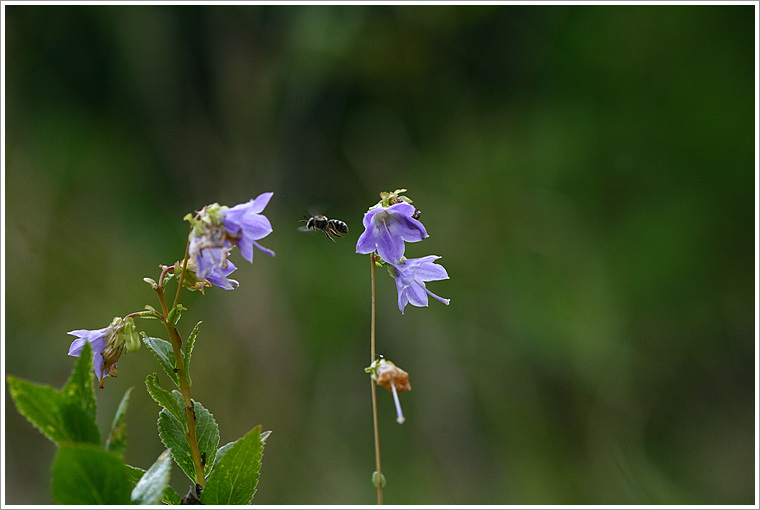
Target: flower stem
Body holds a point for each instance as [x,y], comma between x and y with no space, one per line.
[379,478]
[184,385]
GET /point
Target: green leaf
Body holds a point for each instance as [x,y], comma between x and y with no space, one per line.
[117,439]
[170,496]
[151,313]
[234,478]
[164,353]
[79,389]
[221,451]
[175,314]
[80,428]
[172,435]
[83,474]
[207,433]
[41,406]
[66,415]
[150,489]
[189,351]
[166,399]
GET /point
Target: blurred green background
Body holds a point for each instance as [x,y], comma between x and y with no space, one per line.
[586,173]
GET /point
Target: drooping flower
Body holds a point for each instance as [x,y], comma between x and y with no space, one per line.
[245,223]
[218,229]
[392,378]
[411,275]
[386,230]
[217,276]
[108,345]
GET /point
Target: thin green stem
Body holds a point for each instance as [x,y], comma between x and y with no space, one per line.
[184,385]
[379,479]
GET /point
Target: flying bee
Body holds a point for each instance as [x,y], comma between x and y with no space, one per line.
[320,222]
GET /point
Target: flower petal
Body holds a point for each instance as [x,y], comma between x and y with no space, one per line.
[366,243]
[389,247]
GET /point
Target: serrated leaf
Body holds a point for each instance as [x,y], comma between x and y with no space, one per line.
[41,406]
[234,478]
[117,439]
[189,351]
[166,399]
[207,433]
[164,353]
[174,437]
[83,474]
[169,497]
[79,389]
[150,489]
[175,314]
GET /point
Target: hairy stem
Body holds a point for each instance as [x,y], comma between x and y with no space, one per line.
[374,389]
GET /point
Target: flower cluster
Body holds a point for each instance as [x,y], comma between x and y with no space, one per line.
[388,225]
[216,231]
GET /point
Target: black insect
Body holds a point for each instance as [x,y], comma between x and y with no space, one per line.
[320,222]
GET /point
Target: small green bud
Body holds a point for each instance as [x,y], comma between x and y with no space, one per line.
[374,479]
[131,338]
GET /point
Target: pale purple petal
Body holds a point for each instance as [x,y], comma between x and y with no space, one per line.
[366,243]
[389,247]
[76,347]
[218,277]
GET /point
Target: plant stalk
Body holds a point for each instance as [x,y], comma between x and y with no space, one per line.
[184,385]
[374,389]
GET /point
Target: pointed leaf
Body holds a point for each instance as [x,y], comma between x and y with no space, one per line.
[234,478]
[150,489]
[41,406]
[189,351]
[164,353]
[166,399]
[117,439]
[79,389]
[83,474]
[173,436]
[207,433]
[170,496]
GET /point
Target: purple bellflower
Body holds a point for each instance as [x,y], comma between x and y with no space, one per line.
[411,275]
[386,229]
[108,344]
[218,229]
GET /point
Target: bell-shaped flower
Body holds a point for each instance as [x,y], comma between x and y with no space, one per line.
[108,345]
[386,229]
[246,223]
[411,275]
[218,229]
